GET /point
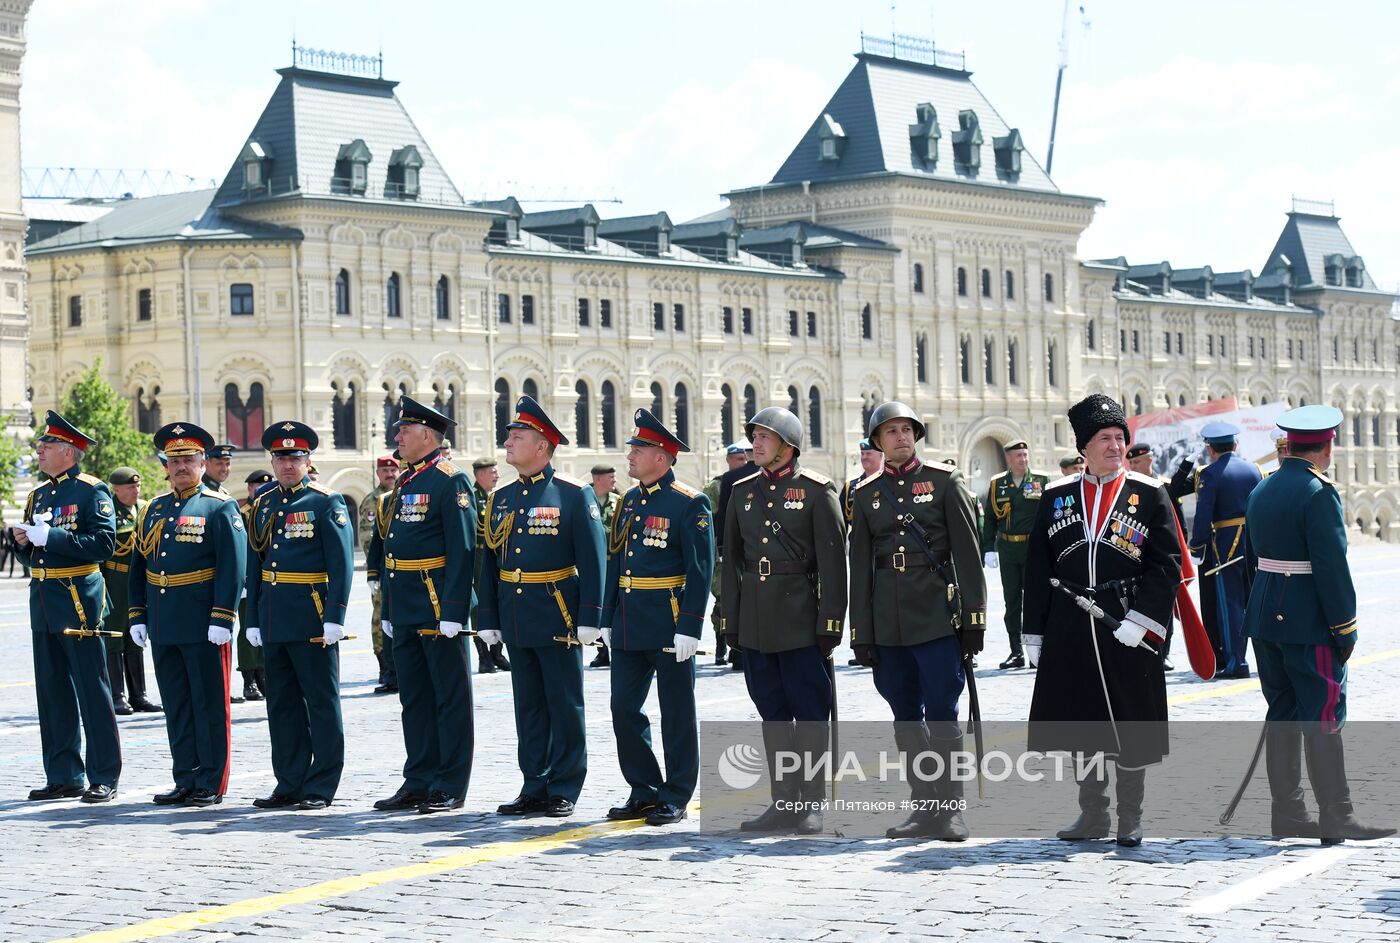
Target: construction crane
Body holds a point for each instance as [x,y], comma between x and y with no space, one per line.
[1060,78]
[103,183]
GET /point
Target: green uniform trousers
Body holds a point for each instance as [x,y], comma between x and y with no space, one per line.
[435,692]
[193,682]
[303,718]
[1011,561]
[552,747]
[632,673]
[70,680]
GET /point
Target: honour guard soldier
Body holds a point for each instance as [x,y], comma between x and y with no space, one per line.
[485,475]
[1218,539]
[299,575]
[1110,537]
[1302,618]
[918,606]
[126,663]
[217,464]
[424,545]
[784,605]
[186,580]
[1012,500]
[386,469]
[68,531]
[542,591]
[605,494]
[660,557]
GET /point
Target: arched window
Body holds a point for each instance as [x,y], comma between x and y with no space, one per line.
[1012,378]
[867,323]
[148,410]
[962,282]
[1051,357]
[726,414]
[814,418]
[344,431]
[443,297]
[531,389]
[989,352]
[918,278]
[921,358]
[243,420]
[658,402]
[503,405]
[866,411]
[445,399]
[682,413]
[1049,287]
[750,402]
[607,405]
[1010,285]
[965,360]
[391,410]
[1089,339]
[986,283]
[794,405]
[393,308]
[342,292]
[1137,404]
[583,432]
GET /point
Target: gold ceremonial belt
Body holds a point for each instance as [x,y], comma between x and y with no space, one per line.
[431,563]
[1232,522]
[180,579]
[274,577]
[1014,538]
[116,567]
[544,576]
[651,582]
[62,572]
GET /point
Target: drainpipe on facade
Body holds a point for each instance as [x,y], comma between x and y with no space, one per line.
[191,348]
[300,371]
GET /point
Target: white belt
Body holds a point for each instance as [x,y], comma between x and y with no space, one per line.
[1284,566]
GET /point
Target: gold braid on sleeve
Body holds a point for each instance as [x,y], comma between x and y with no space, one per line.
[497,535]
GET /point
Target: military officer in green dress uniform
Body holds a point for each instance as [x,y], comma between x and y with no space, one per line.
[424,548]
[126,664]
[299,572]
[218,462]
[1012,501]
[604,493]
[250,657]
[186,579]
[660,557]
[542,592]
[386,469]
[918,606]
[68,531]
[1301,617]
[784,606]
[485,476]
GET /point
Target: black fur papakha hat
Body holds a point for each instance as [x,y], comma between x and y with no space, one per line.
[1092,413]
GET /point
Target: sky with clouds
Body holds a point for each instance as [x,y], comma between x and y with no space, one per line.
[1196,122]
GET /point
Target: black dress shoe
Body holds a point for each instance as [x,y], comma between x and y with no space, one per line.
[439,801]
[401,800]
[1014,660]
[666,813]
[278,800]
[144,706]
[557,807]
[631,809]
[203,797]
[523,805]
[487,667]
[1167,665]
[313,804]
[122,708]
[386,688]
[251,692]
[601,660]
[54,791]
[99,792]
[498,656]
[771,819]
[176,796]
[234,698]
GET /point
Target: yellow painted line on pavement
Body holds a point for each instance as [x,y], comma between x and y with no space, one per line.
[339,887]
[18,684]
[1252,684]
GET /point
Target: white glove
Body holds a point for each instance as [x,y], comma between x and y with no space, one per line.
[387,626]
[218,635]
[450,629]
[373,586]
[1032,654]
[989,559]
[138,635]
[332,633]
[489,637]
[38,532]
[686,646]
[254,636]
[588,635]
[1130,633]
[607,637]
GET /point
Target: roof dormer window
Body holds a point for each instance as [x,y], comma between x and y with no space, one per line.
[663,242]
[967,141]
[924,135]
[404,166]
[831,140]
[1008,152]
[352,168]
[1332,268]
[1356,272]
[590,236]
[256,164]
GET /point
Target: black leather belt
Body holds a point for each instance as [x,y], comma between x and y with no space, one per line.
[766,567]
[907,561]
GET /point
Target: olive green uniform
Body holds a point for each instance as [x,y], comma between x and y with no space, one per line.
[1006,526]
[369,509]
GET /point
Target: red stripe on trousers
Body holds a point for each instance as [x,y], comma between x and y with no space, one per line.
[1334,690]
[225,654]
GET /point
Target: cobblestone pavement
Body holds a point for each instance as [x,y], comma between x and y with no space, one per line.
[132,871]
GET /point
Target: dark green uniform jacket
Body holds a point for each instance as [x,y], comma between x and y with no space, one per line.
[81,537]
[302,561]
[1011,508]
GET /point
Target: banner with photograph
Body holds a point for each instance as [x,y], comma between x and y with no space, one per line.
[1175,434]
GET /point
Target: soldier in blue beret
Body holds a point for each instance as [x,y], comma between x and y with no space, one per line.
[186,580]
[424,548]
[1219,541]
[660,558]
[67,532]
[542,592]
[299,575]
[1302,618]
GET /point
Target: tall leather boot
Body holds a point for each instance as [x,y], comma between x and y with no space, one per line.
[116,674]
[484,663]
[912,739]
[250,685]
[813,741]
[1093,821]
[778,737]
[498,655]
[1131,786]
[1328,772]
[948,824]
[260,679]
[1283,760]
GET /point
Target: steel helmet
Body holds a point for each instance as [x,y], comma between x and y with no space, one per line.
[893,410]
[778,419]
